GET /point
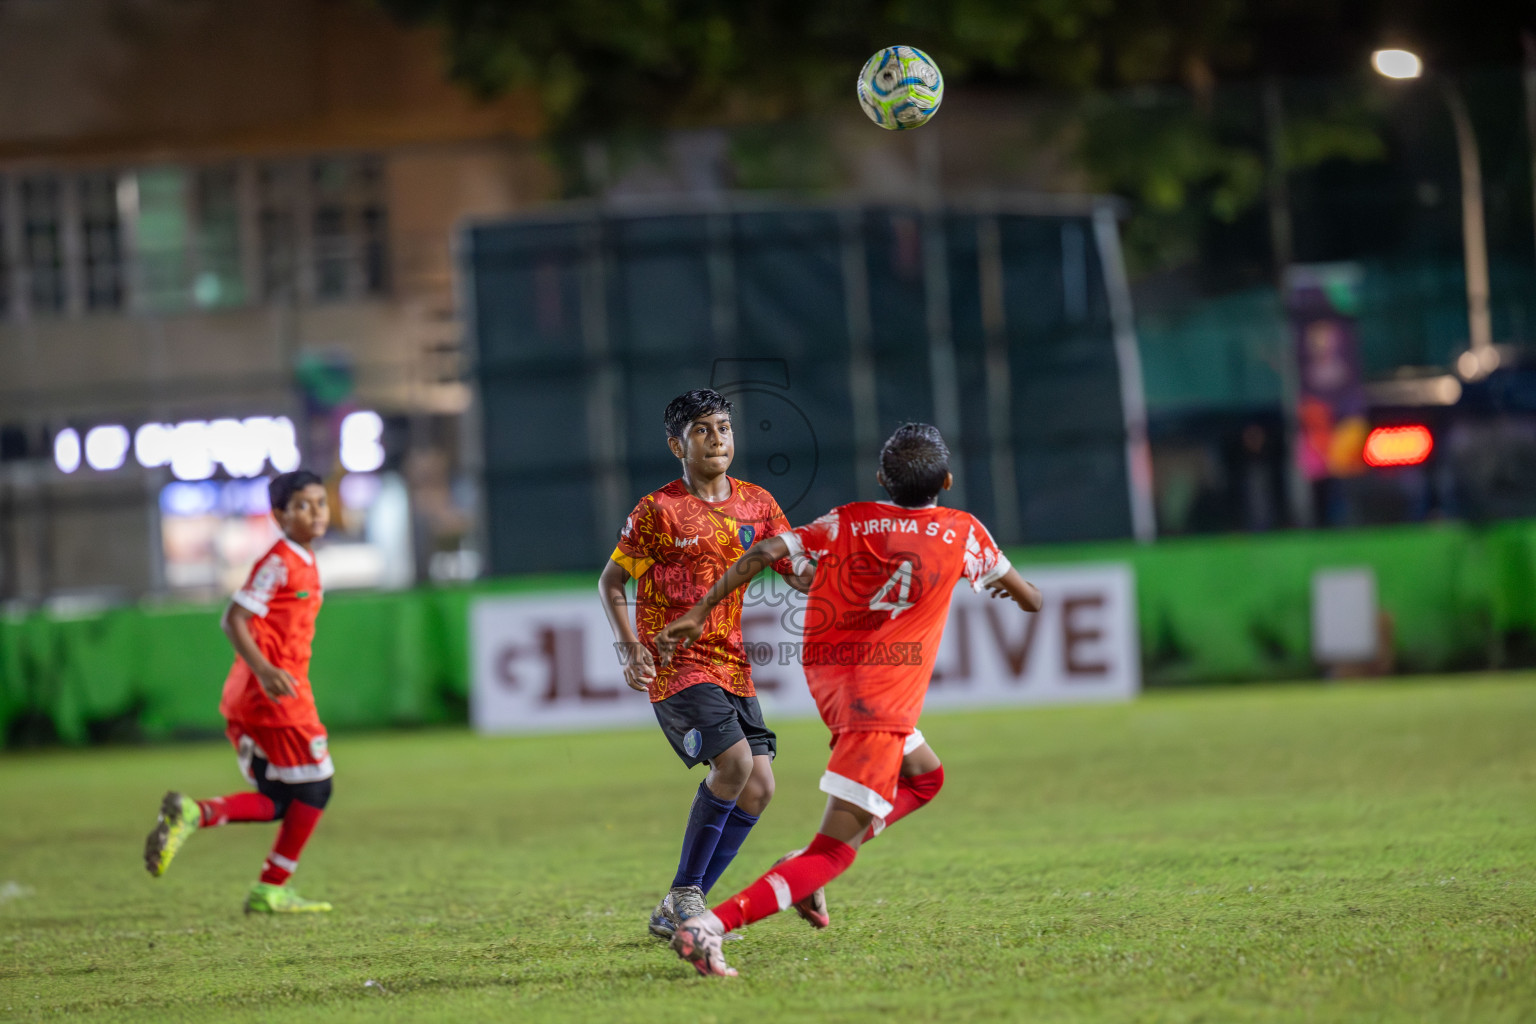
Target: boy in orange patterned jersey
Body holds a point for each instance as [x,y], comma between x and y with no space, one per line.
[885,572]
[676,542]
[269,707]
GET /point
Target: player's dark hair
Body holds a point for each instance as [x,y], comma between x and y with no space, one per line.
[285,485]
[913,464]
[684,409]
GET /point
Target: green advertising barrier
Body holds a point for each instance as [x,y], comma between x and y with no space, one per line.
[1212,610]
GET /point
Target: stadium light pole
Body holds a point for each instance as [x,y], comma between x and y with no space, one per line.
[1481,358]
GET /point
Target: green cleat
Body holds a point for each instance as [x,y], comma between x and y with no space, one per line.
[266,898]
[179,818]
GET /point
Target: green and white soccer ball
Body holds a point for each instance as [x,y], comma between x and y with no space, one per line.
[900,87]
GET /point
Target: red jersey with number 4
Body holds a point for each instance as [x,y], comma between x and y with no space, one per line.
[876,612]
[283,596]
[675,546]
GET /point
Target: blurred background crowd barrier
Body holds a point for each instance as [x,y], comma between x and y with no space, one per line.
[239,237]
[1209,611]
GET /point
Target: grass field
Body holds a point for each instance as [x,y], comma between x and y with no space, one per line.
[1363,852]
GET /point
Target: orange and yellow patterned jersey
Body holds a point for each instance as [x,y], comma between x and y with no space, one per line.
[676,546]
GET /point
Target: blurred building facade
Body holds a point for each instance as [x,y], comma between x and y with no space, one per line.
[228,236]
[227,213]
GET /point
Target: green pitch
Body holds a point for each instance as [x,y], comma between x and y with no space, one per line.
[1361,852]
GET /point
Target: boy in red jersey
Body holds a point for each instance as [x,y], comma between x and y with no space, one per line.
[884,574]
[268,706]
[676,542]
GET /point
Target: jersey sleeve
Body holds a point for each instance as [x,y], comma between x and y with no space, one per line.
[268,576]
[807,544]
[984,561]
[777,525]
[639,540]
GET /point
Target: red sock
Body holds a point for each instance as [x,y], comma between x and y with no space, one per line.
[790,882]
[298,823]
[222,810]
[910,795]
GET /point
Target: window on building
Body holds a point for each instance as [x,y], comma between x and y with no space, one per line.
[334,254]
[160,238]
[101,241]
[42,243]
[278,187]
[218,279]
[349,233]
[169,238]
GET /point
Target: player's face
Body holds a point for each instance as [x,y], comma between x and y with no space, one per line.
[307,516]
[708,446]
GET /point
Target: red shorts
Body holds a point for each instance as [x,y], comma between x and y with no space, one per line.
[865,766]
[293,753]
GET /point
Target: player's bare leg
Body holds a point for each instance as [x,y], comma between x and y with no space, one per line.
[757,791]
[922,776]
[846,822]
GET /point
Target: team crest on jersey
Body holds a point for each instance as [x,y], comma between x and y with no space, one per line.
[317,747]
[746,533]
[692,742]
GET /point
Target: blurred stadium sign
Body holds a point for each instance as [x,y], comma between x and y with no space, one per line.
[542,662]
[1321,301]
[1344,616]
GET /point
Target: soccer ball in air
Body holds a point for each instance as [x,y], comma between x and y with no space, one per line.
[900,87]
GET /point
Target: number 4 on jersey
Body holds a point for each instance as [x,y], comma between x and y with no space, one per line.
[896,596]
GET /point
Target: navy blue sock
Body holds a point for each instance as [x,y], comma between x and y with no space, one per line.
[706,819]
[731,837]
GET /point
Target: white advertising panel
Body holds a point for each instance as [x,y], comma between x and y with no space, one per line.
[547,662]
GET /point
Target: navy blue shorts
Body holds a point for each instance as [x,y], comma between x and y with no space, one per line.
[705,720]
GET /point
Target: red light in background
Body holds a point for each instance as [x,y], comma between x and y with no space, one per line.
[1398,446]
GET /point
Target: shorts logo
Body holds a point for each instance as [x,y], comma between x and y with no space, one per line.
[692,743]
[317,747]
[746,534]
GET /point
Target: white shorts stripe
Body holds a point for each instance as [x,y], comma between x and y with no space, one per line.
[780,889]
[855,793]
[914,740]
[287,865]
[302,772]
[244,752]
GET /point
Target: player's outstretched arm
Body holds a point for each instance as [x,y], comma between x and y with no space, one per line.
[639,666]
[236,624]
[689,626]
[1024,593]
[801,581]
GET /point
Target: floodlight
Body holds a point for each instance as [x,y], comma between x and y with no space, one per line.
[1397,63]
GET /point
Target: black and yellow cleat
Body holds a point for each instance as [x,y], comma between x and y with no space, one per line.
[179,818]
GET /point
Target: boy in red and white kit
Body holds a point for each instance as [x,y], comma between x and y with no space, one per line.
[884,575]
[268,706]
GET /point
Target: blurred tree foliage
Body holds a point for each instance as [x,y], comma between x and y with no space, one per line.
[603,65]
[626,67]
